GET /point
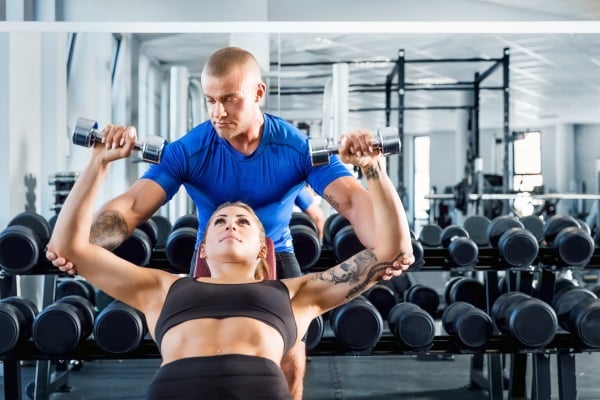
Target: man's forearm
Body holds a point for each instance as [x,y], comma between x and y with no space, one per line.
[109,229]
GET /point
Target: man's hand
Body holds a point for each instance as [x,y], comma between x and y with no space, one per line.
[61,263]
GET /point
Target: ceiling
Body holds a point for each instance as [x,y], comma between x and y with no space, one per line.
[554,77]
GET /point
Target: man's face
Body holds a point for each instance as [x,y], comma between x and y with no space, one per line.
[232,101]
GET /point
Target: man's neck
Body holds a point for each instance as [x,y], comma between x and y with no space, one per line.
[248,142]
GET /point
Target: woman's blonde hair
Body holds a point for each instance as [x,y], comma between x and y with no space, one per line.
[262,270]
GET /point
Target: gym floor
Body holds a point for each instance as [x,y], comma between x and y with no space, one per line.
[379,377]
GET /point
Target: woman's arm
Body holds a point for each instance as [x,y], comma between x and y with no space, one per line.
[392,250]
[71,236]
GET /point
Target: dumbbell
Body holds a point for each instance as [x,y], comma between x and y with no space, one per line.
[528,320]
[462,251]
[77,287]
[59,328]
[181,242]
[465,289]
[315,332]
[578,311]
[387,140]
[137,248]
[86,133]
[517,247]
[424,296]
[22,242]
[119,328]
[412,326]
[572,245]
[305,239]
[383,297]
[535,225]
[467,323]
[16,318]
[346,243]
[477,227]
[357,325]
[164,227]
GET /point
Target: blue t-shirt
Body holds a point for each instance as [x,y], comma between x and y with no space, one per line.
[304,199]
[268,180]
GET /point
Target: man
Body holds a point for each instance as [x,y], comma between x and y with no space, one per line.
[241,154]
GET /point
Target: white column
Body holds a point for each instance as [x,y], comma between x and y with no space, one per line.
[340,94]
[564,167]
[20,123]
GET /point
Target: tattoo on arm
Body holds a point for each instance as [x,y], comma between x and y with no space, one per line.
[371,172]
[109,230]
[358,272]
[331,200]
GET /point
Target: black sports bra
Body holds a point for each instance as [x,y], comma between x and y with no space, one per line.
[267,301]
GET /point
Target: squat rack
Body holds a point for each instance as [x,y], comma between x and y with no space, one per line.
[398,74]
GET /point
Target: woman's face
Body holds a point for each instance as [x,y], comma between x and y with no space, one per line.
[233,234]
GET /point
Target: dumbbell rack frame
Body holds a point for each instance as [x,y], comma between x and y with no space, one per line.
[564,346]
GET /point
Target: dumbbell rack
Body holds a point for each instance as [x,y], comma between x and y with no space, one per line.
[486,372]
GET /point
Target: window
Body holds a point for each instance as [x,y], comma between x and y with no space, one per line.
[527,161]
[422,182]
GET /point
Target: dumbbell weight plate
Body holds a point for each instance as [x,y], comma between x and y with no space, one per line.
[27,308]
[451,232]
[357,324]
[535,225]
[301,218]
[306,246]
[119,328]
[346,244]
[136,249]
[430,235]
[85,307]
[573,247]
[411,325]
[557,223]
[499,225]
[180,248]
[585,322]
[188,220]
[567,299]
[477,227]
[424,296]
[314,333]
[518,248]
[382,297]
[164,228]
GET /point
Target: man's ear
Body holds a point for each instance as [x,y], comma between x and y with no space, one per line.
[261,90]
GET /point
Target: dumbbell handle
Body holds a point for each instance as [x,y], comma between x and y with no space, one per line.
[86,133]
[387,140]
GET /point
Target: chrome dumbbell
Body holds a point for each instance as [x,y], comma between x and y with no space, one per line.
[387,140]
[86,133]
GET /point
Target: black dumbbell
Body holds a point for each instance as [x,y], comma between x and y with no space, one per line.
[430,235]
[16,318]
[462,251]
[119,328]
[383,297]
[535,225]
[357,325]
[314,333]
[572,245]
[181,243]
[387,140]
[465,289]
[164,227]
[424,296]
[578,311]
[150,228]
[528,320]
[74,286]
[477,227]
[305,238]
[467,323]
[59,328]
[412,326]
[517,247]
[346,243]
[23,241]
[418,254]
[137,248]
[86,133]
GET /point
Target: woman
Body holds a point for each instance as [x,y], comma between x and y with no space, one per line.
[224,336]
